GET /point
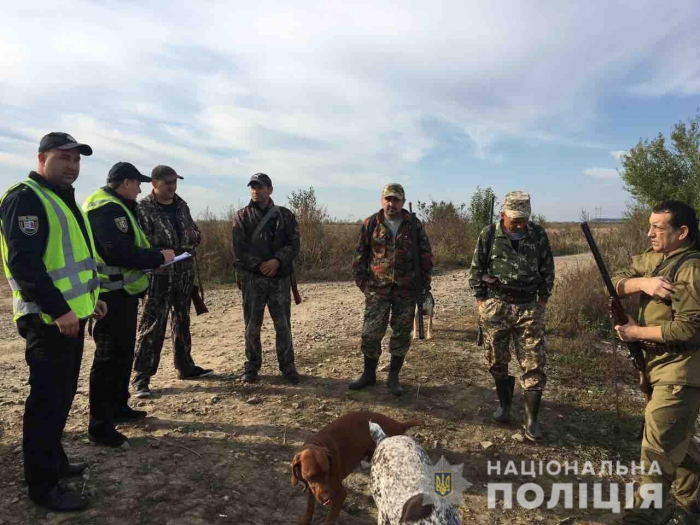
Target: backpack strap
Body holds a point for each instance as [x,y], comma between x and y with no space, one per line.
[270,214]
[677,265]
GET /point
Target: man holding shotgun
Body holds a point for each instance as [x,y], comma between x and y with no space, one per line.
[393,254]
[667,277]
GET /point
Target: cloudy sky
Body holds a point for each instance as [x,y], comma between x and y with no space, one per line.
[542,96]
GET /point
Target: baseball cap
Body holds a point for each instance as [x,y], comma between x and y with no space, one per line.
[517,205]
[394,190]
[161,171]
[60,140]
[260,178]
[124,170]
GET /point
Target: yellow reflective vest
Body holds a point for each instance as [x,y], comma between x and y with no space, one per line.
[67,258]
[132,280]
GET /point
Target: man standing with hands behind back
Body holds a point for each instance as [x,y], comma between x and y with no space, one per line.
[48,257]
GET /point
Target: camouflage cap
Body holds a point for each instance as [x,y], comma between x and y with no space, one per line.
[517,205]
[394,190]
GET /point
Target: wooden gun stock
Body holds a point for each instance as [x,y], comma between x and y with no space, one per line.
[295,288]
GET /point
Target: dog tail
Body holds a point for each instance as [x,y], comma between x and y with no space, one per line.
[411,423]
[376,432]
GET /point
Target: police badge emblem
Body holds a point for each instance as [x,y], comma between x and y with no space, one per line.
[443,483]
[122,224]
[28,224]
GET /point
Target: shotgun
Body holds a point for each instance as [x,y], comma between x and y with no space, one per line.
[618,314]
[417,278]
[480,331]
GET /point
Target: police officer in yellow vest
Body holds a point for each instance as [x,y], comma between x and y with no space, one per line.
[123,252]
[48,258]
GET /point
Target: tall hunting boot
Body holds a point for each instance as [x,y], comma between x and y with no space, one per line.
[369,375]
[392,383]
[533,430]
[504,388]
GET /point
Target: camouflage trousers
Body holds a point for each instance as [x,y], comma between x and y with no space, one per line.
[669,425]
[275,293]
[165,293]
[380,311]
[524,325]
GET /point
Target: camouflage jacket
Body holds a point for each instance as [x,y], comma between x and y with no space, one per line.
[530,269]
[385,261]
[279,239]
[161,233]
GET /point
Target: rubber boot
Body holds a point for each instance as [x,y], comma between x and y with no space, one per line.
[533,430]
[392,383]
[504,388]
[369,375]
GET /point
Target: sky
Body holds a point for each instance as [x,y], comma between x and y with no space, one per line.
[442,97]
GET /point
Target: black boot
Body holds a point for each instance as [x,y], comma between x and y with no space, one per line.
[392,383]
[504,389]
[369,375]
[533,430]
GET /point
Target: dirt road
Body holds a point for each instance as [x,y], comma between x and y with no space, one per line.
[218,451]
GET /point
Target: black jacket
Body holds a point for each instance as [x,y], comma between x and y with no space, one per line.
[279,239]
[26,249]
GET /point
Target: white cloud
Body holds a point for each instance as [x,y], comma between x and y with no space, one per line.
[601,173]
[328,93]
[617,155]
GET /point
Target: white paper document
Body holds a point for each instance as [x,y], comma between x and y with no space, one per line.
[177,258]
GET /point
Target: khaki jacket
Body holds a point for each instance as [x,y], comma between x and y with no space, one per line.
[679,318]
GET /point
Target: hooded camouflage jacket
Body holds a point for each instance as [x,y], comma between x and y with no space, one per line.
[385,261]
[163,235]
[279,239]
[530,269]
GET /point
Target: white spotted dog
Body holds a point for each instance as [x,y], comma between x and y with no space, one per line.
[428,306]
[396,477]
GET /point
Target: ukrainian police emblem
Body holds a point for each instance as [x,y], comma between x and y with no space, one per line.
[122,224]
[28,224]
[443,484]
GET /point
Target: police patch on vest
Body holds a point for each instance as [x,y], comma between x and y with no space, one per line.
[122,224]
[29,224]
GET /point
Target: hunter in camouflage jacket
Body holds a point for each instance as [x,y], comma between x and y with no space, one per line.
[383,261]
[279,239]
[530,269]
[161,233]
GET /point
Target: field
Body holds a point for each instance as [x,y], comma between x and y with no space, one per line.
[217,451]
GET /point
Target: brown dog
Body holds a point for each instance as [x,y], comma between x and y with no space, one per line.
[332,453]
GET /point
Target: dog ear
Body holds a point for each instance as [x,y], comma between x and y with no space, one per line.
[414,509]
[323,458]
[296,469]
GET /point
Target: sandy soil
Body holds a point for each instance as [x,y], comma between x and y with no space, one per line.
[218,451]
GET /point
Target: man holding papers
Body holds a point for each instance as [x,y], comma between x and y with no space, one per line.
[168,223]
[123,252]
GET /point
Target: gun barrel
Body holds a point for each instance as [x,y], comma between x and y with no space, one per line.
[599,260]
[418,286]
